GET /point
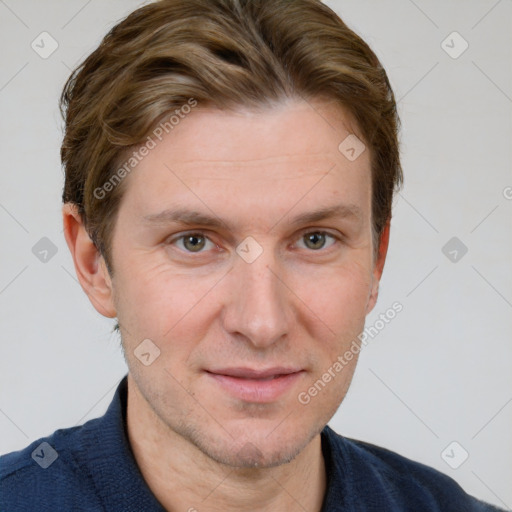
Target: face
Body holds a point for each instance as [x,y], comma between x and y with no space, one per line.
[243,251]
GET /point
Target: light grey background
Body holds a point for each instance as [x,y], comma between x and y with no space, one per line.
[439,372]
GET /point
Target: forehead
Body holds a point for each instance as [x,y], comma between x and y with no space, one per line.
[259,157]
[293,128]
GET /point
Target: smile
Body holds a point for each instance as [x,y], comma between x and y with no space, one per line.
[256,386]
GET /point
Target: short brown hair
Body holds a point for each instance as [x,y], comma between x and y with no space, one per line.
[225,53]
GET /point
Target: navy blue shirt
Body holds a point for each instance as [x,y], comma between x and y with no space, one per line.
[91,467]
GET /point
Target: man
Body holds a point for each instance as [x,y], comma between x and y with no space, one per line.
[230,168]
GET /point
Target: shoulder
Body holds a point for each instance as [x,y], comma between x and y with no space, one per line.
[395,482]
[50,472]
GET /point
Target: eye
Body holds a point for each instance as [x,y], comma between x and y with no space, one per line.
[316,240]
[193,242]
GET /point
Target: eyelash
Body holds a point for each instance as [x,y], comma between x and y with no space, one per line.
[301,237]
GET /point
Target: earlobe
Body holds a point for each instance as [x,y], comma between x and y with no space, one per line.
[90,266]
[378,267]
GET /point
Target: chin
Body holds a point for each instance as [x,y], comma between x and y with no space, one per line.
[252,449]
[251,456]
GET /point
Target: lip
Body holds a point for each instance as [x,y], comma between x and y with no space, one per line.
[257,386]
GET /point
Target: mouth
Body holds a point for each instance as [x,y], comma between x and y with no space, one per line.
[257,386]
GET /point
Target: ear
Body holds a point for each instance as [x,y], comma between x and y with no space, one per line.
[378,267]
[90,266]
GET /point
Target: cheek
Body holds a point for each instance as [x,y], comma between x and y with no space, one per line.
[154,302]
[337,295]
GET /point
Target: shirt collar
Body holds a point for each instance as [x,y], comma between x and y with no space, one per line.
[113,469]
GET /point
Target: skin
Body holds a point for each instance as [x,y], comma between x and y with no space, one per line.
[297,304]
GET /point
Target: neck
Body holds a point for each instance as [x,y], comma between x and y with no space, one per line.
[183,478]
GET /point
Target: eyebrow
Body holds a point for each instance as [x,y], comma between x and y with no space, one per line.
[193,217]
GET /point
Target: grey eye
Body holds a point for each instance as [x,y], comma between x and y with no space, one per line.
[314,240]
[194,242]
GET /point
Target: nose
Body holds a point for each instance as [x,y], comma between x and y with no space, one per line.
[257,309]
